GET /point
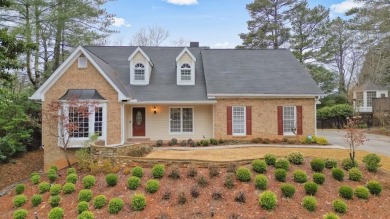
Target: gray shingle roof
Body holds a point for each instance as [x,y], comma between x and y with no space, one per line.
[369,85]
[82,94]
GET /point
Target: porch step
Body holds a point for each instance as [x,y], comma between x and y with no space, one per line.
[138,140]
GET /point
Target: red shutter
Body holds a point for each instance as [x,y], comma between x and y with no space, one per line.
[280,120]
[229,120]
[249,120]
[299,120]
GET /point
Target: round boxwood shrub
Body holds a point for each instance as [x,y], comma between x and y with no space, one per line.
[35,179]
[361,192]
[280,175]
[152,186]
[158,171]
[88,181]
[99,201]
[330,163]
[374,187]
[19,188]
[54,200]
[55,168]
[288,190]
[270,159]
[20,214]
[86,215]
[267,200]
[354,174]
[339,206]
[346,192]
[310,188]
[310,203]
[300,176]
[317,164]
[36,200]
[72,178]
[82,206]
[43,187]
[138,202]
[371,162]
[282,163]
[243,174]
[259,166]
[347,164]
[56,213]
[115,205]
[85,195]
[295,158]
[137,171]
[111,179]
[69,188]
[331,215]
[71,171]
[52,175]
[55,189]
[133,182]
[338,174]
[19,200]
[261,182]
[319,178]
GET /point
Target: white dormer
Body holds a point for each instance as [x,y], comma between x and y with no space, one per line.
[140,67]
[185,68]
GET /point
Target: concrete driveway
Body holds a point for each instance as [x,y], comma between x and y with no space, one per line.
[376,143]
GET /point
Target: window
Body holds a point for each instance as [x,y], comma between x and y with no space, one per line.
[99,121]
[82,62]
[78,123]
[289,120]
[370,95]
[239,120]
[181,120]
[185,70]
[359,99]
[383,95]
[139,72]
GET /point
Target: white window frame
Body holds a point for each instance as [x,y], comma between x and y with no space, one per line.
[179,69]
[139,68]
[238,134]
[82,62]
[182,69]
[290,133]
[371,91]
[181,120]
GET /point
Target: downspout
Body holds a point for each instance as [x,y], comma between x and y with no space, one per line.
[122,123]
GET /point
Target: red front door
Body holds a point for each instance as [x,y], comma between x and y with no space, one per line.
[138,121]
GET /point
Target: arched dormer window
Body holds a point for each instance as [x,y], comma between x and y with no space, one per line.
[139,72]
[185,72]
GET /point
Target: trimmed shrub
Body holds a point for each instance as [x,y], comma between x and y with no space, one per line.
[152,186]
[331,216]
[270,159]
[19,200]
[243,174]
[88,181]
[174,172]
[159,143]
[55,189]
[56,213]
[347,164]
[321,141]
[317,165]
[20,214]
[55,168]
[173,141]
[85,195]
[338,174]
[69,188]
[111,179]
[19,188]
[71,171]
[204,143]
[310,203]
[158,171]
[115,205]
[339,206]
[82,206]
[374,187]
[266,141]
[138,202]
[261,182]
[280,175]
[195,191]
[181,198]
[99,201]
[371,162]
[319,178]
[36,200]
[192,171]
[354,174]
[361,192]
[166,195]
[54,200]
[213,170]
[310,188]
[202,181]
[295,158]
[43,187]
[229,181]
[71,178]
[137,171]
[267,200]
[288,190]
[259,166]
[217,195]
[86,215]
[300,176]
[213,141]
[330,163]
[240,197]
[346,192]
[52,175]
[133,182]
[231,167]
[282,163]
[35,179]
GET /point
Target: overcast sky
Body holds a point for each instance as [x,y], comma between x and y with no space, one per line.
[214,23]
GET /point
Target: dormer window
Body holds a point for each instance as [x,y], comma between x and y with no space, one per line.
[185,66]
[139,72]
[140,67]
[82,62]
[185,72]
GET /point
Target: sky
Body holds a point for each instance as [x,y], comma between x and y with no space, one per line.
[213,23]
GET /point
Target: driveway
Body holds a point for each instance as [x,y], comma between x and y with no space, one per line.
[376,143]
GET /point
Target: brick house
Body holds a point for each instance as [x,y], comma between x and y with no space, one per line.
[192,92]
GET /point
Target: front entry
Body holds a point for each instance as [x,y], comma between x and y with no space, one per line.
[138,121]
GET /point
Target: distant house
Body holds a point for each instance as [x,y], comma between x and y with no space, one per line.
[152,93]
[364,94]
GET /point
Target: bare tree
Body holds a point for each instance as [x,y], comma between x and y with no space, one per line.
[151,36]
[180,42]
[354,137]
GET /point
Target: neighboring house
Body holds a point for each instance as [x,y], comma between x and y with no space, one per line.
[364,94]
[152,93]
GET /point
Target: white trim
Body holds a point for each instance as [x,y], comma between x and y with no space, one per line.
[40,93]
[135,102]
[181,120]
[239,134]
[185,50]
[82,62]
[123,124]
[142,52]
[213,96]
[315,117]
[295,121]
[213,121]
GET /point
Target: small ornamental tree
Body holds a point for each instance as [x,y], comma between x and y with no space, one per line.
[354,137]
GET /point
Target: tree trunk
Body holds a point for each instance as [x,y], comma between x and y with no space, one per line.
[28,41]
[58,35]
[37,37]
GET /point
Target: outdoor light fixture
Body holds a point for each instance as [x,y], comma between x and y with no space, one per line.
[154,110]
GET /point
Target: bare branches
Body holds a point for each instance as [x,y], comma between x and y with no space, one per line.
[151,36]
